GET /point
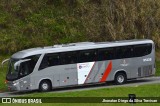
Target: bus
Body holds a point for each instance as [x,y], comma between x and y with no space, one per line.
[82,63]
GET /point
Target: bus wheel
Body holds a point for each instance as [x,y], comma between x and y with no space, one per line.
[45,86]
[120,78]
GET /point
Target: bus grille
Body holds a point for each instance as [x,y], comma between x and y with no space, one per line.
[147,70]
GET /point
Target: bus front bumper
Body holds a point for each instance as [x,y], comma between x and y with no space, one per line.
[13,86]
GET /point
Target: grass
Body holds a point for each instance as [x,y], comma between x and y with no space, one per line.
[157,62]
[3,74]
[140,91]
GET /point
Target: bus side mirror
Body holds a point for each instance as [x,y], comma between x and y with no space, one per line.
[4,61]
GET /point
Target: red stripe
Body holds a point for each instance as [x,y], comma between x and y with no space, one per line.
[89,73]
[107,71]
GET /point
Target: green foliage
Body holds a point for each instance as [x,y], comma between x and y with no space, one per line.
[31,23]
[3,71]
[157,68]
[140,91]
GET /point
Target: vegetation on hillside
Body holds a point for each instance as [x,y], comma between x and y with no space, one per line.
[32,23]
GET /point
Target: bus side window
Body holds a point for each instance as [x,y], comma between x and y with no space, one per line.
[25,68]
[32,63]
[106,54]
[87,56]
[69,57]
[49,60]
[53,59]
[124,52]
[44,63]
[142,50]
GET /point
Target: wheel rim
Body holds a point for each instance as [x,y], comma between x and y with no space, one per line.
[120,78]
[45,86]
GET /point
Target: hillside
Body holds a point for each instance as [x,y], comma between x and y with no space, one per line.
[31,23]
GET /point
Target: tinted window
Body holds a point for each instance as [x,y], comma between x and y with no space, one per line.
[142,50]
[28,66]
[53,59]
[25,68]
[87,56]
[106,54]
[50,60]
[69,58]
[33,61]
[124,52]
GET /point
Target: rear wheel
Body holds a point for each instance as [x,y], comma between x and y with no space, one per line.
[120,78]
[45,85]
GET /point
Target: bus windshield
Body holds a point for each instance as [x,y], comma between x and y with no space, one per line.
[18,68]
[13,69]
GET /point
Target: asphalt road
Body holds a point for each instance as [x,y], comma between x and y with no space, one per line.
[142,81]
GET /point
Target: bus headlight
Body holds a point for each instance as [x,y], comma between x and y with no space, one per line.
[15,83]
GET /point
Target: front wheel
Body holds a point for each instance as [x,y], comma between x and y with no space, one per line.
[120,78]
[45,86]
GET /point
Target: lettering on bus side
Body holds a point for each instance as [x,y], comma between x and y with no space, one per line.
[124,63]
[71,68]
[147,59]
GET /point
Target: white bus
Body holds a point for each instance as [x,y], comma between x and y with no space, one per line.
[74,64]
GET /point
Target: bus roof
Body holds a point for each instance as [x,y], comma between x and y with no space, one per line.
[76,46]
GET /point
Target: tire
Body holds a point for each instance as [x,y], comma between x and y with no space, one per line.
[45,86]
[120,78]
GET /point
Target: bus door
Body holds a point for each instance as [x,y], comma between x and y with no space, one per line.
[24,71]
